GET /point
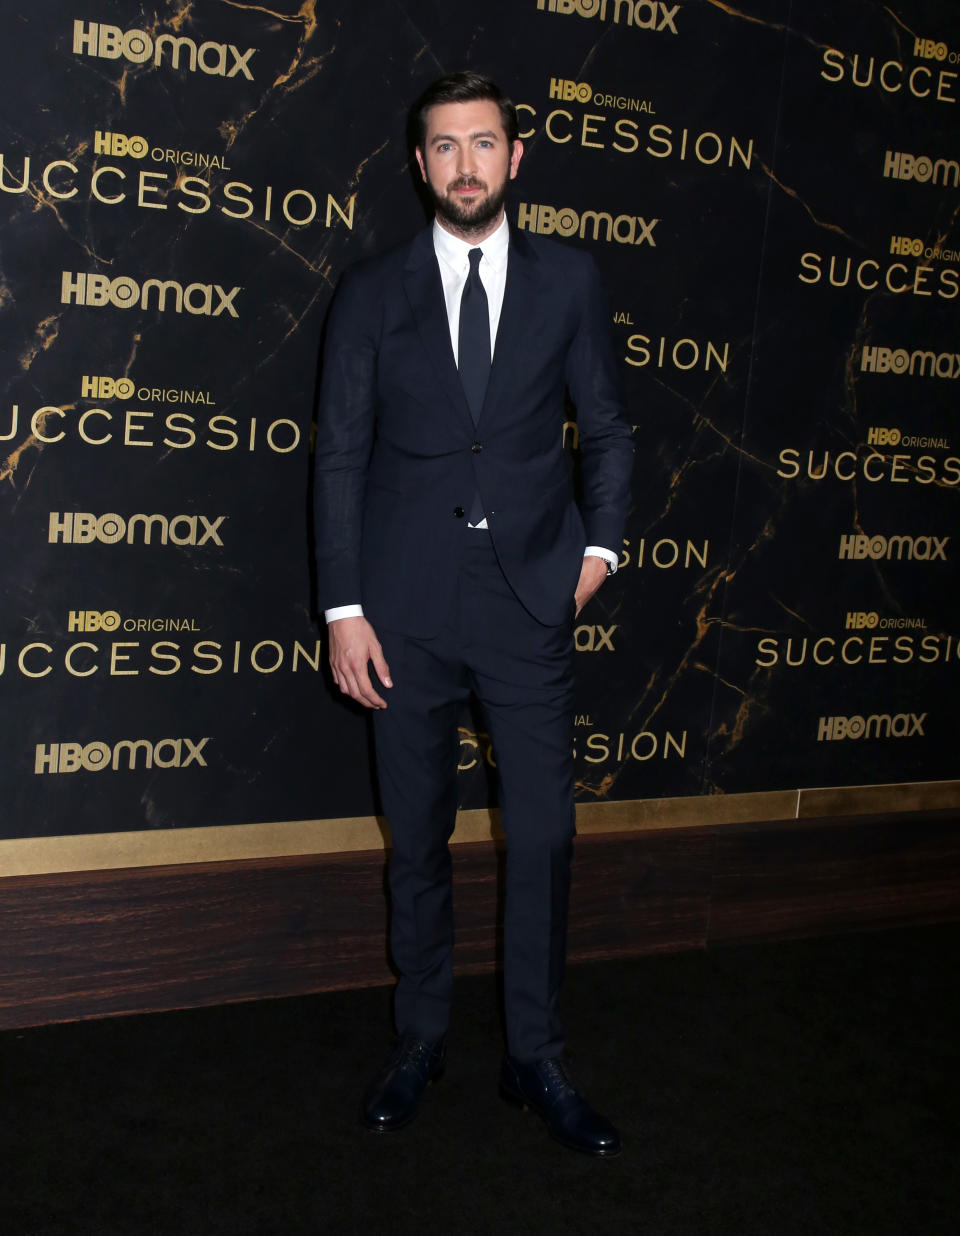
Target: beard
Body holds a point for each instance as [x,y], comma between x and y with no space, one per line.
[473,217]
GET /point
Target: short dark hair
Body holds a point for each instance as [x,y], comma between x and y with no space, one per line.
[463,87]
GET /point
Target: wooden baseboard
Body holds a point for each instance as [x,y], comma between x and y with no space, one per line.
[99,943]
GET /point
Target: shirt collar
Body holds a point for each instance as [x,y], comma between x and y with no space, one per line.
[454,251]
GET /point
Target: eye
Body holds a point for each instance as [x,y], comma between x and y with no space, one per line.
[485,142]
[443,147]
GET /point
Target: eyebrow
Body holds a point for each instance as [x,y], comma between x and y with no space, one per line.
[448,137]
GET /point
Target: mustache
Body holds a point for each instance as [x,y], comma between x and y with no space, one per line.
[466,182]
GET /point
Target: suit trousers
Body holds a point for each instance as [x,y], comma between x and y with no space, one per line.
[522,674]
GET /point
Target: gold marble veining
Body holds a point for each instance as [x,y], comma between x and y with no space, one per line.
[732,12]
[797,197]
[299,71]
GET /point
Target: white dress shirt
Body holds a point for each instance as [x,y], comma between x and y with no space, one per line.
[454,262]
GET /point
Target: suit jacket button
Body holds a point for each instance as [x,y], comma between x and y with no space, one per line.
[459,512]
[476,448]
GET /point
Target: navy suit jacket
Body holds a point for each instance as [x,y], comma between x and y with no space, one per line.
[399,458]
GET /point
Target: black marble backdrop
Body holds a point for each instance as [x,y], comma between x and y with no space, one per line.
[771,192]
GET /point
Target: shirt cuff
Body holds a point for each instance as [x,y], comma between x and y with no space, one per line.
[609,557]
[343,611]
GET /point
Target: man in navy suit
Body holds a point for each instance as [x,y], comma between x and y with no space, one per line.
[452,558]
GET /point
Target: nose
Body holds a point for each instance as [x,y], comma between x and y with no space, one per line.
[466,163]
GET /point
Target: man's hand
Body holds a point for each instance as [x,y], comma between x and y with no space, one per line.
[353,646]
[592,574]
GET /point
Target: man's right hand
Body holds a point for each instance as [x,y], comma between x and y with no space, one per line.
[353,647]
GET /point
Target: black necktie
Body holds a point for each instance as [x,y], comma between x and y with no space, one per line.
[473,346]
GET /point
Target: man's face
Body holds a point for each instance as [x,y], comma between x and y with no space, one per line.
[466,162]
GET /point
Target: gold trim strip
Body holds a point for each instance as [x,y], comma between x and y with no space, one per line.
[167,847]
[880,799]
[694,812]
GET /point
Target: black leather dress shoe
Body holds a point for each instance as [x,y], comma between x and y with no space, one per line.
[545,1086]
[393,1098]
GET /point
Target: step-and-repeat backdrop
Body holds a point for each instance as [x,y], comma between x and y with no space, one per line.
[771,191]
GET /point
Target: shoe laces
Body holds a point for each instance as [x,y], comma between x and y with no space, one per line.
[554,1075]
[411,1050]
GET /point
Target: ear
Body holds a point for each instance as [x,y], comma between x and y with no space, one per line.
[516,154]
[421,164]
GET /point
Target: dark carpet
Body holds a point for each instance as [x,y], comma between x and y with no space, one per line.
[801,1087]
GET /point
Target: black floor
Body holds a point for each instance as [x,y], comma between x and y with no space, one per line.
[806,1087]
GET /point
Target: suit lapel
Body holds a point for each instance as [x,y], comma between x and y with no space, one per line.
[518,298]
[424,291]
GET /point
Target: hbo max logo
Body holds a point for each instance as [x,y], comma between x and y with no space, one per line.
[644,14]
[879,725]
[71,757]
